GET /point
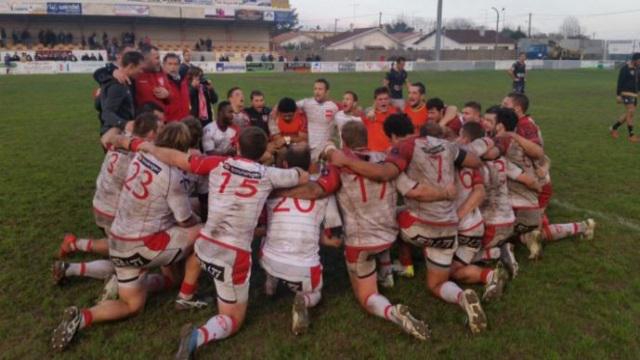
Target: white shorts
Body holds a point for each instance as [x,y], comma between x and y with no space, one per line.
[527,219]
[439,243]
[496,235]
[361,262]
[131,258]
[103,221]
[297,278]
[469,243]
[228,266]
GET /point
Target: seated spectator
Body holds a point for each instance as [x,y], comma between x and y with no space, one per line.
[280,58]
[263,58]
[270,58]
[249,58]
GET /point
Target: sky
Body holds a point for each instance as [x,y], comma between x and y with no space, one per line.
[618,19]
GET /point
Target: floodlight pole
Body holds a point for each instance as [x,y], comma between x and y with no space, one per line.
[495,46]
[439,31]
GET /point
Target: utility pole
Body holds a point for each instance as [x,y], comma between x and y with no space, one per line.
[495,47]
[529,32]
[335,26]
[439,31]
[380,20]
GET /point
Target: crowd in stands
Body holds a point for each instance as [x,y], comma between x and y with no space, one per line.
[204,45]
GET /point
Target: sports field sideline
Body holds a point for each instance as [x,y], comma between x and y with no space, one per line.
[582,300]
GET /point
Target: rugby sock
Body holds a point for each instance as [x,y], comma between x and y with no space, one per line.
[380,306]
[560,231]
[486,275]
[384,261]
[98,269]
[616,125]
[312,299]
[86,318]
[84,245]
[630,129]
[450,292]
[404,254]
[217,328]
[187,291]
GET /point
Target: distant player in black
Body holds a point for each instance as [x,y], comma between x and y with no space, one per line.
[518,73]
[627,94]
[395,80]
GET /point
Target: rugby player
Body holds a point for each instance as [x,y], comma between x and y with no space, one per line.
[471,112]
[105,202]
[220,137]
[627,95]
[440,113]
[238,190]
[416,107]
[518,73]
[287,124]
[240,118]
[320,113]
[432,226]
[153,227]
[369,209]
[350,111]
[375,118]
[290,251]
[395,80]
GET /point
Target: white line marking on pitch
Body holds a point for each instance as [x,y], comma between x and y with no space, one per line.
[599,214]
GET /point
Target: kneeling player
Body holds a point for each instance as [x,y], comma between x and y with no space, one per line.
[290,252]
[153,227]
[108,187]
[368,209]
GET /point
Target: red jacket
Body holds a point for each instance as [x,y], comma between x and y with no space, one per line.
[179,100]
[145,83]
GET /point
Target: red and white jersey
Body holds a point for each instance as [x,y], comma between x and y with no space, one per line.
[521,196]
[153,199]
[368,207]
[238,190]
[293,230]
[343,118]
[109,183]
[497,209]
[479,146]
[217,140]
[432,161]
[241,120]
[320,121]
[466,180]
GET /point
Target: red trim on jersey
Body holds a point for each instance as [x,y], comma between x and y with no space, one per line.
[351,253]
[330,180]
[203,165]
[545,195]
[472,227]
[217,242]
[401,154]
[406,220]
[528,129]
[100,212]
[135,143]
[316,276]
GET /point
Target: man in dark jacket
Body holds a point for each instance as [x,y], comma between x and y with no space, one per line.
[258,112]
[627,94]
[116,99]
[202,95]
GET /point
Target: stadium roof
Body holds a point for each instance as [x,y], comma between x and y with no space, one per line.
[354,33]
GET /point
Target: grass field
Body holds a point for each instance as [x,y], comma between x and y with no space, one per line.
[581,301]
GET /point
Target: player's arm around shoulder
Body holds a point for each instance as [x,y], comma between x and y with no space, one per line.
[412,189]
[168,156]
[286,178]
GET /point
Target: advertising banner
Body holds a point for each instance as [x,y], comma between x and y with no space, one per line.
[248,15]
[269,16]
[347,67]
[64,8]
[220,13]
[226,67]
[199,2]
[324,67]
[281,4]
[299,67]
[27,8]
[372,66]
[130,10]
[282,16]
[257,2]
[261,67]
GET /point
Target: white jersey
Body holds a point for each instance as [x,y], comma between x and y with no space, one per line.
[215,140]
[238,190]
[343,118]
[241,120]
[320,121]
[293,230]
[466,179]
[153,199]
[109,183]
[496,209]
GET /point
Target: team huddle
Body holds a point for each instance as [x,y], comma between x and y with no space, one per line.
[462,188]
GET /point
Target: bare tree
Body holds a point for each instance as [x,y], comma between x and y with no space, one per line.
[459,24]
[571,27]
[422,24]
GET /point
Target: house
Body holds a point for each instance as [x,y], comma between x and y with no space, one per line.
[471,39]
[408,38]
[361,39]
[294,39]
